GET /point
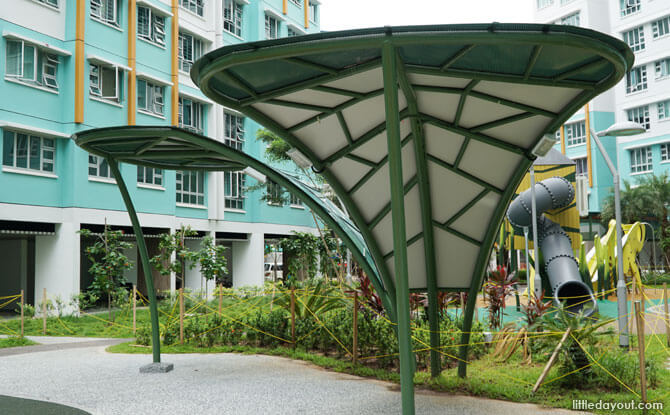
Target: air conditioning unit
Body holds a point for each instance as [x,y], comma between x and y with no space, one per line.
[582,194]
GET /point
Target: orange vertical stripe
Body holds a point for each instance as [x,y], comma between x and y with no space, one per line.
[563,139]
[306,14]
[588,145]
[79,62]
[285,6]
[175,62]
[132,78]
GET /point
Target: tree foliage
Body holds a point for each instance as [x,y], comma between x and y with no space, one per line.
[213,262]
[302,249]
[174,243]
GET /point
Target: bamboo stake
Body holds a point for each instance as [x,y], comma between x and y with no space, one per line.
[23,302]
[220,298]
[134,308]
[667,314]
[355,326]
[293,316]
[181,316]
[552,360]
[44,311]
[640,348]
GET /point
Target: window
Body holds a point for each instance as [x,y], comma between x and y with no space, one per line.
[53,3]
[662,68]
[149,175]
[557,135]
[660,27]
[292,32]
[191,187]
[663,110]
[581,168]
[232,17]
[27,63]
[271,27]
[635,38]
[640,115]
[150,26]
[629,7]
[106,82]
[195,6]
[544,3]
[295,201]
[572,19]
[575,133]
[190,115]
[233,190]
[274,193]
[313,12]
[636,79]
[297,2]
[665,152]
[98,167]
[149,97]
[640,160]
[190,50]
[26,151]
[106,11]
[233,126]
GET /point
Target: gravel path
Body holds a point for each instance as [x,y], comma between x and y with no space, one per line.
[104,383]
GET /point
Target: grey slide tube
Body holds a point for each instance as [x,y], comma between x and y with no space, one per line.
[559,262]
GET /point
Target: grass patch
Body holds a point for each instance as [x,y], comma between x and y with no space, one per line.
[16,342]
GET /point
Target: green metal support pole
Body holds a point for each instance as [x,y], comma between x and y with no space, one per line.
[144,258]
[398,220]
[426,217]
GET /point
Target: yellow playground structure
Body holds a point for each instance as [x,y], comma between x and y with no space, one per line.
[602,257]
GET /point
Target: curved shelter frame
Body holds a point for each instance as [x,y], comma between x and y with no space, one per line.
[423,132]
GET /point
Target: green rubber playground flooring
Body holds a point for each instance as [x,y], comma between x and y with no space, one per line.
[20,406]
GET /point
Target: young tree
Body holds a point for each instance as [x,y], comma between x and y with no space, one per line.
[175,244]
[302,250]
[108,265]
[213,262]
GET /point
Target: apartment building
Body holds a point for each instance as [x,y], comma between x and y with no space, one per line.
[642,96]
[71,65]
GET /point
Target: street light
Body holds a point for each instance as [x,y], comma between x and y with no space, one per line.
[621,129]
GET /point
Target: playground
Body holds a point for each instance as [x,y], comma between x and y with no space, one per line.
[462,218]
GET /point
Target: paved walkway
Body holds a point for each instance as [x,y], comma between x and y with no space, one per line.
[85,376]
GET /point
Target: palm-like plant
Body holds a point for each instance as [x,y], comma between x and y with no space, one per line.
[313,299]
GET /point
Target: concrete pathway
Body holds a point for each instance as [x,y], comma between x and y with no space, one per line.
[84,376]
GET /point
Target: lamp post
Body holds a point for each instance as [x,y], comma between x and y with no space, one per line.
[625,128]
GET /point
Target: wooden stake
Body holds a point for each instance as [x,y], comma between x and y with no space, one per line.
[44,311]
[293,316]
[220,298]
[355,326]
[667,314]
[181,316]
[640,347]
[552,360]
[23,299]
[134,308]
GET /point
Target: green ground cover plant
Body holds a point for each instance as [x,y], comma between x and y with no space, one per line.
[15,341]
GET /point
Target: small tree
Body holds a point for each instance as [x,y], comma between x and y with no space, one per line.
[302,249]
[175,243]
[108,265]
[213,262]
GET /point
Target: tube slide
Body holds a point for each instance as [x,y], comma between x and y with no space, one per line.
[559,262]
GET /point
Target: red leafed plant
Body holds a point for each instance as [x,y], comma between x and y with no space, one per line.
[370,296]
[535,309]
[497,288]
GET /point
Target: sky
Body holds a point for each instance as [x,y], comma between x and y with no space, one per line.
[356,14]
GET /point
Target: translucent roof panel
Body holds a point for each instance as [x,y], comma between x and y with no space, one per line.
[474,100]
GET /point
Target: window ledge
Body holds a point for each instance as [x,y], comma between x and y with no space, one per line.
[631,14]
[188,205]
[156,44]
[102,22]
[665,161]
[150,186]
[29,172]
[40,87]
[151,114]
[235,210]
[233,34]
[576,145]
[107,180]
[661,78]
[629,94]
[192,13]
[663,119]
[105,101]
[642,172]
[297,207]
[48,6]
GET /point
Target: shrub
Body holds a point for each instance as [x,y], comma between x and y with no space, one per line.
[171,334]
[143,335]
[626,367]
